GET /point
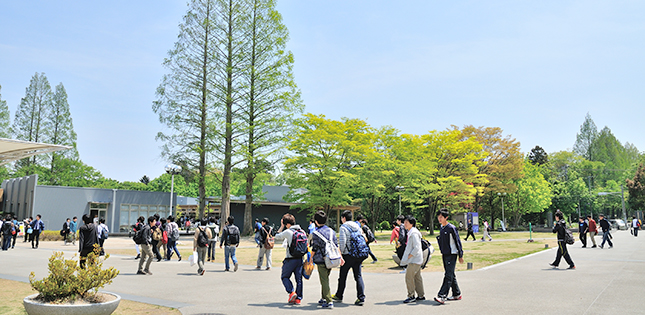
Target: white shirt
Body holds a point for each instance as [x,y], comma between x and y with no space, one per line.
[635,223]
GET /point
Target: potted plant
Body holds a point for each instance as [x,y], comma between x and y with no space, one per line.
[72,290]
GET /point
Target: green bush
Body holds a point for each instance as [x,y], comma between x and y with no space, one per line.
[50,236]
[385,225]
[67,281]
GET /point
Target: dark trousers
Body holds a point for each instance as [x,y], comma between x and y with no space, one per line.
[292,266]
[35,237]
[563,252]
[14,240]
[6,241]
[26,235]
[372,254]
[155,249]
[65,236]
[101,241]
[83,258]
[211,250]
[470,232]
[583,239]
[635,231]
[354,264]
[449,277]
[606,237]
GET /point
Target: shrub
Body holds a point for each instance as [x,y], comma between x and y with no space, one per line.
[385,225]
[67,281]
[50,236]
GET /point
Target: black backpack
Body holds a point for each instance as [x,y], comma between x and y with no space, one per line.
[298,247]
[568,236]
[202,239]
[138,234]
[233,238]
[369,234]
[425,244]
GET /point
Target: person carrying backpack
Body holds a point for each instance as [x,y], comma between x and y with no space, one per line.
[353,245]
[560,228]
[136,228]
[231,240]
[201,243]
[319,243]
[413,259]
[266,244]
[212,243]
[606,235]
[370,238]
[292,263]
[7,227]
[87,238]
[451,250]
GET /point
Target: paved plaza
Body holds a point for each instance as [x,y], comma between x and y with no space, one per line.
[608,281]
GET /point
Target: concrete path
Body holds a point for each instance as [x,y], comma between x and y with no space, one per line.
[608,281]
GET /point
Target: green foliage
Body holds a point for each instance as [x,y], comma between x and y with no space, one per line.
[636,188]
[385,225]
[67,281]
[538,156]
[4,117]
[586,138]
[533,193]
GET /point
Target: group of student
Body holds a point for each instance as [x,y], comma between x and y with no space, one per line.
[10,229]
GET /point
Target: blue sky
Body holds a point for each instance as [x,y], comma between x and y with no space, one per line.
[533,68]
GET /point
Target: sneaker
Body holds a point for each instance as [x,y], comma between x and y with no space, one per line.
[374,261]
[138,256]
[594,246]
[584,246]
[409,300]
[329,305]
[297,302]
[554,266]
[359,302]
[321,301]
[335,298]
[440,300]
[235,268]
[403,271]
[292,297]
[258,267]
[454,298]
[179,258]
[601,246]
[140,272]
[610,246]
[148,273]
[227,270]
[202,273]
[420,298]
[572,267]
[268,268]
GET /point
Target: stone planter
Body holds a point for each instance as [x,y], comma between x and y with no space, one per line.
[36,308]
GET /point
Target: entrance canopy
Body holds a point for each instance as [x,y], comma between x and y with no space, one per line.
[13,150]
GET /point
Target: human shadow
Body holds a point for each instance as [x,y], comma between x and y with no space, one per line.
[285,306]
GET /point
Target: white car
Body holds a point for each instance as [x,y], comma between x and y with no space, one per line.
[618,224]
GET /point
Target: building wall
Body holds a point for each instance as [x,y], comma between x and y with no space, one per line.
[273,212]
[19,196]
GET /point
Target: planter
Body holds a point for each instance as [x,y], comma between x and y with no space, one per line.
[36,308]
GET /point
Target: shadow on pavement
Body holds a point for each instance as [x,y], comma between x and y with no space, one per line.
[307,307]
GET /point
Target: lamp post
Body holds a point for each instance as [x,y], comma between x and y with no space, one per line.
[622,197]
[503,218]
[172,169]
[399,189]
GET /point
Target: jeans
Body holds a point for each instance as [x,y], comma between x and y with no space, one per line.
[354,264]
[563,252]
[155,249]
[172,245]
[211,249]
[292,266]
[35,236]
[6,241]
[583,239]
[371,254]
[449,277]
[323,275]
[229,251]
[605,238]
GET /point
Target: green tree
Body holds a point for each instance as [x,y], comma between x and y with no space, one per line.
[272,99]
[538,156]
[585,139]
[61,132]
[4,129]
[636,189]
[31,122]
[533,193]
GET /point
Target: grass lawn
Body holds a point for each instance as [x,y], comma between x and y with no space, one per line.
[505,246]
[13,292]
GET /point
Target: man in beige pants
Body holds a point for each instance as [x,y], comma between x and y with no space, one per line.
[202,251]
[413,258]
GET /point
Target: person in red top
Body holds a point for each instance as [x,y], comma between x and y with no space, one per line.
[593,230]
[395,234]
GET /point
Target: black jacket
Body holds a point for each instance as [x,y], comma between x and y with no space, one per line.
[443,240]
[147,234]
[604,224]
[264,232]
[560,228]
[318,245]
[583,227]
[403,235]
[229,229]
[87,238]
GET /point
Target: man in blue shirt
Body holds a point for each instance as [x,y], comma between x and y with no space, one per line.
[73,227]
[38,226]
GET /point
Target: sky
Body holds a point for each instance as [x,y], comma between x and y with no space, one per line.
[532,68]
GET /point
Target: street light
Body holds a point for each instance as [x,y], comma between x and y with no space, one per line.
[622,197]
[172,169]
[503,218]
[399,189]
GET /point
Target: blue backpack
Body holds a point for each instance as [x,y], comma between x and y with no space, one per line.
[357,246]
[298,247]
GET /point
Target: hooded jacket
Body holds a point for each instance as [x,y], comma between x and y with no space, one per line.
[345,231]
[560,228]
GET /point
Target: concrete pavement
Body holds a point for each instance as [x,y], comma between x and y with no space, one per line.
[607,281]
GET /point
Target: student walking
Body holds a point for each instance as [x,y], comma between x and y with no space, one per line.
[321,237]
[212,243]
[231,240]
[353,246]
[157,236]
[583,228]
[606,235]
[560,228]
[401,239]
[256,229]
[451,250]
[6,230]
[65,231]
[135,228]
[87,237]
[16,231]
[413,258]
[470,231]
[635,226]
[593,230]
[266,247]
[172,229]
[200,244]
[103,233]
[292,263]
[370,238]
[73,228]
[37,227]
[486,230]
[27,227]
[145,241]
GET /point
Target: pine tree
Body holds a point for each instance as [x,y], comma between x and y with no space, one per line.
[4,117]
[61,131]
[31,122]
[585,139]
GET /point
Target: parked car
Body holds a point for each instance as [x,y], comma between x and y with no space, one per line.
[618,224]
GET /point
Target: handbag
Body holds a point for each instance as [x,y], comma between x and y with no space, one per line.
[30,230]
[308,266]
[164,238]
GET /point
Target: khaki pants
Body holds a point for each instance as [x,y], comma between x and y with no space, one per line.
[160,246]
[414,281]
[146,254]
[323,275]
[261,255]
[593,239]
[201,256]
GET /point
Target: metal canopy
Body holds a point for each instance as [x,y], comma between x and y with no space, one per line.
[13,150]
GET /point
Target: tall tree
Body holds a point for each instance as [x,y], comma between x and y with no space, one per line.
[186,96]
[533,193]
[61,131]
[585,139]
[636,188]
[538,156]
[31,122]
[4,117]
[272,97]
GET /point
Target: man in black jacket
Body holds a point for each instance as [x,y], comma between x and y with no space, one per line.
[470,231]
[87,237]
[146,249]
[583,228]
[264,232]
[451,250]
[560,228]
[606,236]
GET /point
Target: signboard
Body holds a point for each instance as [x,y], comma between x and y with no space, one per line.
[474,218]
